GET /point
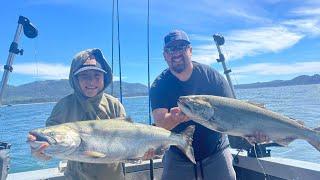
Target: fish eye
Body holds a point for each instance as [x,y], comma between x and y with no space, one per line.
[51,133]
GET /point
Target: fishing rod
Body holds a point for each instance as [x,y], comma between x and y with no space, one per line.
[29,31]
[219,40]
[252,150]
[151,167]
[257,150]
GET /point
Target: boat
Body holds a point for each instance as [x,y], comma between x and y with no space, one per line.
[247,168]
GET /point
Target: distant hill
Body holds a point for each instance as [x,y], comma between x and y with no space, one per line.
[300,80]
[53,90]
[128,89]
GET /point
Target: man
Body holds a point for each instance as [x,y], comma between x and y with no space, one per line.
[89,75]
[186,77]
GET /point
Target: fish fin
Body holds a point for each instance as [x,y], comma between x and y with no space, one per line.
[315,142]
[128,119]
[134,161]
[186,147]
[221,129]
[160,150]
[286,141]
[249,139]
[261,105]
[211,119]
[317,129]
[157,157]
[95,154]
[298,121]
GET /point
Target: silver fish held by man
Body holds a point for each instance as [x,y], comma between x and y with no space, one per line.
[107,141]
[239,118]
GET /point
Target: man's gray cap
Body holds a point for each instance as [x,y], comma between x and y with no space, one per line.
[176,35]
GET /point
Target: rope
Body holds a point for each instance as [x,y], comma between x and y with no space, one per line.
[266,176]
[35,56]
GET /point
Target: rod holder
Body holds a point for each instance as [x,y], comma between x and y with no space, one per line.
[29,31]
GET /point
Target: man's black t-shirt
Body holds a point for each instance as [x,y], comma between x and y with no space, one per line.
[166,90]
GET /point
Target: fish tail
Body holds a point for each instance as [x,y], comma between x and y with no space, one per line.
[186,147]
[315,144]
[315,141]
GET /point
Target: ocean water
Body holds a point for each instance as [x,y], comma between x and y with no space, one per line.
[299,102]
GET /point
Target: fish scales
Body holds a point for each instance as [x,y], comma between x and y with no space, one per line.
[240,118]
[106,141]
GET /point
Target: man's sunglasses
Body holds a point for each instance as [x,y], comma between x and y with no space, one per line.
[177,48]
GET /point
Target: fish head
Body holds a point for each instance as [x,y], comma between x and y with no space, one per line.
[60,139]
[196,107]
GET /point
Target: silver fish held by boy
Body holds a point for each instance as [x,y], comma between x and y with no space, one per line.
[107,141]
[239,118]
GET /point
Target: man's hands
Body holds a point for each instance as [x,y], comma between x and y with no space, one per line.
[177,115]
[169,119]
[149,154]
[38,151]
[258,137]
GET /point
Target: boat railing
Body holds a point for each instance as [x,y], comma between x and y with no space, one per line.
[248,168]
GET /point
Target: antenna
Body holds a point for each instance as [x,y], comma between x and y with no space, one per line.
[219,40]
[29,31]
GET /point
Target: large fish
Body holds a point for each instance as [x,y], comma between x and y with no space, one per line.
[107,141]
[239,118]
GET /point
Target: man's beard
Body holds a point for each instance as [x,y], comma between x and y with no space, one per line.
[180,67]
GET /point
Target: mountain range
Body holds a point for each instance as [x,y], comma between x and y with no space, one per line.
[53,90]
[300,80]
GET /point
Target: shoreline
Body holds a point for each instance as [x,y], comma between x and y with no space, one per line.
[24,104]
[21,104]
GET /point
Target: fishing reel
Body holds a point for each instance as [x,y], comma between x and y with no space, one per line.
[219,39]
[28,30]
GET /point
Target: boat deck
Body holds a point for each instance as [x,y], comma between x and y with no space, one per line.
[247,168]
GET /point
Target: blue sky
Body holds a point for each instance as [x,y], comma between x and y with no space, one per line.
[265,39]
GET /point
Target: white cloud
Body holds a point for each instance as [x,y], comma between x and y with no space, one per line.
[304,20]
[246,43]
[117,78]
[307,26]
[260,40]
[247,16]
[278,69]
[307,11]
[251,42]
[43,70]
[47,71]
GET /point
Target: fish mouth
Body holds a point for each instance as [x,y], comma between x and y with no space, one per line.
[40,138]
[183,104]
